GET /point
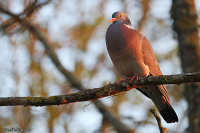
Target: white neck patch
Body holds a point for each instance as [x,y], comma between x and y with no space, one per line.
[129,26]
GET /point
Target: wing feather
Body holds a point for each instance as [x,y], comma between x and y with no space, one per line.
[151,61]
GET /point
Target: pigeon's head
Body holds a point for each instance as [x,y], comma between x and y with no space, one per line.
[120,17]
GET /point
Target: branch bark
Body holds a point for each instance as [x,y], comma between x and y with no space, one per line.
[96,93]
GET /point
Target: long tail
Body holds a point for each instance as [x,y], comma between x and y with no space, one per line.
[169,114]
[161,100]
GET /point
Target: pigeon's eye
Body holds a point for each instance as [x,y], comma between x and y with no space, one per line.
[120,15]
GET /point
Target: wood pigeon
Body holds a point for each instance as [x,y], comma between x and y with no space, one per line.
[132,55]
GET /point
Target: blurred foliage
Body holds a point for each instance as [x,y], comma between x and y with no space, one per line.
[33,73]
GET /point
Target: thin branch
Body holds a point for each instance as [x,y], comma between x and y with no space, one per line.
[162,129]
[96,93]
[11,23]
[120,127]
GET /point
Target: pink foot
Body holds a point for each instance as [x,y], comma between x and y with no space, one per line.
[120,81]
[132,78]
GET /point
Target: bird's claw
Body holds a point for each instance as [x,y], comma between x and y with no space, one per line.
[120,81]
[131,78]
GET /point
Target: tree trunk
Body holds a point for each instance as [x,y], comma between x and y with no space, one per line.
[185,25]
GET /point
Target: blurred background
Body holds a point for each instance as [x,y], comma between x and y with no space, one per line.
[77,30]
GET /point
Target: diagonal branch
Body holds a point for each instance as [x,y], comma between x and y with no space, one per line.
[161,128]
[31,8]
[120,127]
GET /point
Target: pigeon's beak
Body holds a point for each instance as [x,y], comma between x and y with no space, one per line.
[112,20]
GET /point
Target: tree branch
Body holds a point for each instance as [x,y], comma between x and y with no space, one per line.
[120,127]
[29,10]
[96,93]
[161,128]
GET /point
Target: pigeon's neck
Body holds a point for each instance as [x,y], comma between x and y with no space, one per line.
[127,22]
[129,26]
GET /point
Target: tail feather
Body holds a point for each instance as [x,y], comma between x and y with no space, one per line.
[169,114]
[161,100]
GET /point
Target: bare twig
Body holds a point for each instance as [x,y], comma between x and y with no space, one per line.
[31,8]
[162,129]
